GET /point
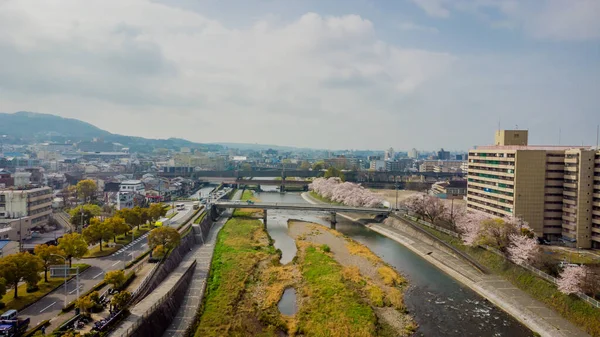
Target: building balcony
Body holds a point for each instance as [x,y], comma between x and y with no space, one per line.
[569,176]
[567,217]
[488,209]
[596,203]
[570,210]
[553,199]
[570,194]
[554,175]
[555,167]
[554,183]
[570,185]
[570,169]
[574,160]
[496,173]
[569,202]
[493,185]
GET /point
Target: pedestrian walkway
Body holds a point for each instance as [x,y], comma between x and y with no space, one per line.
[529,311]
[194,294]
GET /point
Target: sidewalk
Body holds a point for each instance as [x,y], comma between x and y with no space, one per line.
[497,290]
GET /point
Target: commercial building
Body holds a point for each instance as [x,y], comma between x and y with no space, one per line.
[377,165]
[443,155]
[413,154]
[556,189]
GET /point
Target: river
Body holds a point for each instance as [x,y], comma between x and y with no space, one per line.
[440,305]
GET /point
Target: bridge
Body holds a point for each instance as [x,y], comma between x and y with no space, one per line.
[332,209]
[237,183]
[353,176]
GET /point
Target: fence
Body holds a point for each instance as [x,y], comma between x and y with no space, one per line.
[545,276]
[158,303]
[425,223]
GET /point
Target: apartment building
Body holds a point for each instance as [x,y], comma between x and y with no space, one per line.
[22,210]
[556,189]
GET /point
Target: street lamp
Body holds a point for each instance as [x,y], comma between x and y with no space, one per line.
[65,259]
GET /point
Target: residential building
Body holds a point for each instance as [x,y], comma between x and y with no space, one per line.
[556,189]
[389,154]
[35,203]
[399,165]
[378,165]
[136,186]
[131,193]
[453,189]
[413,154]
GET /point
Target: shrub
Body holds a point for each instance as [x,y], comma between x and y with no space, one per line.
[326,248]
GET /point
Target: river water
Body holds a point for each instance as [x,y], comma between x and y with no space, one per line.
[440,305]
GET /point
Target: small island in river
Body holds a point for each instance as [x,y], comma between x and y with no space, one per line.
[341,288]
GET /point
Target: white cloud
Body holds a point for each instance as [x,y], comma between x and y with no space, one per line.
[172,72]
[544,19]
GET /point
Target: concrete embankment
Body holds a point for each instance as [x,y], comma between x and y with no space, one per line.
[530,312]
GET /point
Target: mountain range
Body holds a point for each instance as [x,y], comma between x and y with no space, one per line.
[25,127]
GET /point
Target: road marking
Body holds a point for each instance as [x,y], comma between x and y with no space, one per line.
[130,254]
[47,307]
[98,275]
[74,290]
[116,263]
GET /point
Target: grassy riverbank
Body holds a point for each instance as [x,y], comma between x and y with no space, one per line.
[570,307]
[340,292]
[323,199]
[248,212]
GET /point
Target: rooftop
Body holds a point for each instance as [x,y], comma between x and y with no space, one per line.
[531,147]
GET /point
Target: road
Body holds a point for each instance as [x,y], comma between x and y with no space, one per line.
[49,306]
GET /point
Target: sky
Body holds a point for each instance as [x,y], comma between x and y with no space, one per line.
[337,74]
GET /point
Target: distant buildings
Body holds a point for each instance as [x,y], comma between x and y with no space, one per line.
[453,189]
[556,189]
[443,155]
[413,154]
[389,154]
[378,165]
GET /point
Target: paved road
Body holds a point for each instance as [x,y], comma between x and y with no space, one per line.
[50,305]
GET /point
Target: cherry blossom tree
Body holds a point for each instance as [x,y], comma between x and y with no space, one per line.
[345,192]
[522,249]
[571,279]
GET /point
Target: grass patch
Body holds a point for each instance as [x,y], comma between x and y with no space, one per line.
[122,240]
[26,298]
[570,307]
[172,215]
[323,199]
[333,308]
[376,295]
[390,277]
[200,218]
[241,244]
[248,212]
[356,248]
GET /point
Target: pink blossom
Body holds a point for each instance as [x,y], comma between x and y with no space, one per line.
[571,279]
[522,249]
[345,192]
[469,226]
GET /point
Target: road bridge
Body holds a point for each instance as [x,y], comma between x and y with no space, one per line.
[332,209]
[282,183]
[353,176]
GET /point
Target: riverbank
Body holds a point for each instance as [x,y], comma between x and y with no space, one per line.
[342,288]
[497,290]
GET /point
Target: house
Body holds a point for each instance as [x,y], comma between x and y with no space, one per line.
[453,189]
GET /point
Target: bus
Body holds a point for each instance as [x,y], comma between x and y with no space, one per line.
[180,207]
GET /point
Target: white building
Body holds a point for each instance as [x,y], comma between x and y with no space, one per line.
[129,190]
[34,203]
[389,154]
[413,154]
[136,186]
[377,165]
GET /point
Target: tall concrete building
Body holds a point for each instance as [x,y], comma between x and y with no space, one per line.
[413,154]
[556,189]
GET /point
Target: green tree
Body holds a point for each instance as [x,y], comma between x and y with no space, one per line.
[116,277]
[2,287]
[159,252]
[73,245]
[305,165]
[246,167]
[120,300]
[48,255]
[156,211]
[118,225]
[168,237]
[21,267]
[86,189]
[332,172]
[318,166]
[98,231]
[132,216]
[84,304]
[89,212]
[144,215]
[496,233]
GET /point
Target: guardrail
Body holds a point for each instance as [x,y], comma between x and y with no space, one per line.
[158,303]
[430,225]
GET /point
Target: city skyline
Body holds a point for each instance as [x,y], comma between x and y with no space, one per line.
[357,74]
